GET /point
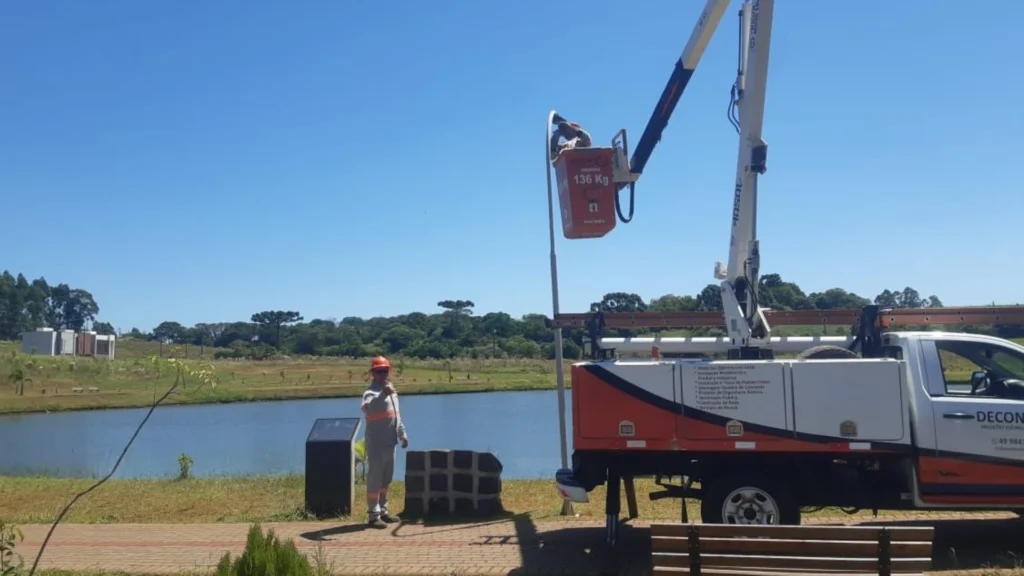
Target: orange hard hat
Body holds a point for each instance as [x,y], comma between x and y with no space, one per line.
[380,362]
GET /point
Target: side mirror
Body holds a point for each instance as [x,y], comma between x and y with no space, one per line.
[978,377]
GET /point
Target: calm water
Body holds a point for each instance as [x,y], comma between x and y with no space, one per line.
[269,437]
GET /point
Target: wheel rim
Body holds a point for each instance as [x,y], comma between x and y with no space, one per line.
[749,505]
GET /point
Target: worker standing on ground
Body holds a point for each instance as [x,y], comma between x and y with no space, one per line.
[384,430]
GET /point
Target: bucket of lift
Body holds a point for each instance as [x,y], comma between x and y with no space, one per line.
[588,182]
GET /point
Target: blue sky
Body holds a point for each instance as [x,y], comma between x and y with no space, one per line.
[201,161]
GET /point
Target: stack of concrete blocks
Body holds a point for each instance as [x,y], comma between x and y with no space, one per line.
[452,482]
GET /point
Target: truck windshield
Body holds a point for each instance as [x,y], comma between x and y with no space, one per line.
[962,357]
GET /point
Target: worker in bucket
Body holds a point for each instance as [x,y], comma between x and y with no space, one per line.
[384,430]
[575,136]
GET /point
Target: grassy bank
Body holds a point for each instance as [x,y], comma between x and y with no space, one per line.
[49,384]
[139,374]
[264,499]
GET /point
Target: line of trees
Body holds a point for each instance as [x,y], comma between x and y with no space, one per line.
[452,331]
[28,305]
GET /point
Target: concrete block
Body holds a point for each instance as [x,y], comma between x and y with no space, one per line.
[452,483]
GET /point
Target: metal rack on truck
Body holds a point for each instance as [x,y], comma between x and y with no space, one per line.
[878,419]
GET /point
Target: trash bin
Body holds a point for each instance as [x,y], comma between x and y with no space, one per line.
[330,466]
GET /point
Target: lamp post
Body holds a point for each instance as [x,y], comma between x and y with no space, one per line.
[559,364]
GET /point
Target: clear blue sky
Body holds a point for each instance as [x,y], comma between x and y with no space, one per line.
[201,161]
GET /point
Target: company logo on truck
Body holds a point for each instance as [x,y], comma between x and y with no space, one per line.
[1000,417]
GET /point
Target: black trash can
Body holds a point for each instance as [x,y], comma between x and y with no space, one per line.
[330,466]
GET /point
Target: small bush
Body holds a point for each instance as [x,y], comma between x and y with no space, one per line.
[184,466]
[11,563]
[266,556]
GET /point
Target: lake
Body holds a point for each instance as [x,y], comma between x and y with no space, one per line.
[268,438]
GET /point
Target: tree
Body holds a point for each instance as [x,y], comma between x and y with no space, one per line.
[453,331]
[457,307]
[906,298]
[673,303]
[103,328]
[170,332]
[834,298]
[886,299]
[206,333]
[398,338]
[500,325]
[69,308]
[620,302]
[28,305]
[458,312]
[275,319]
[775,293]
[710,298]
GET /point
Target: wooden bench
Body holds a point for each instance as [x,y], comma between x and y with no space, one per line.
[726,549]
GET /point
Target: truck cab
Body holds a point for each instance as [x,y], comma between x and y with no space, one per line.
[967,411]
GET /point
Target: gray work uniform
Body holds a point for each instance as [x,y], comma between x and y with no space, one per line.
[384,429]
[575,138]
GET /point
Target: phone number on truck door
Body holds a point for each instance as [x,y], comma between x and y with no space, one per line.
[1008,441]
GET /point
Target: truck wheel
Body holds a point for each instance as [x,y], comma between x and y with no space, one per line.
[748,500]
[826,352]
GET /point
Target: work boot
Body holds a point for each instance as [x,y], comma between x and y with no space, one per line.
[377,523]
[389,518]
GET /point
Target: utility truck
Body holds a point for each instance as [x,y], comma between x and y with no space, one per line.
[758,426]
[918,420]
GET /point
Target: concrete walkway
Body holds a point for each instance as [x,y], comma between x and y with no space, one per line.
[513,546]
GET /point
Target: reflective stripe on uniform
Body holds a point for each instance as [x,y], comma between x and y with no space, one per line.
[389,413]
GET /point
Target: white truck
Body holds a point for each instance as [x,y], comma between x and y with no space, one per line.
[935,422]
[922,420]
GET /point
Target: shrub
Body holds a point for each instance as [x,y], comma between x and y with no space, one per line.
[266,556]
[184,466]
[11,563]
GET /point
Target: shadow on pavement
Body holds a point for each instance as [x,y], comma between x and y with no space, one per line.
[972,544]
[960,544]
[321,535]
[453,524]
[576,550]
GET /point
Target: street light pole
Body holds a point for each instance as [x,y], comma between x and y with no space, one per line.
[559,363]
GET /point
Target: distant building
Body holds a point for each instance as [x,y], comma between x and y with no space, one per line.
[49,342]
[42,341]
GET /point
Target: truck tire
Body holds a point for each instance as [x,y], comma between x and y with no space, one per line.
[748,499]
[826,352]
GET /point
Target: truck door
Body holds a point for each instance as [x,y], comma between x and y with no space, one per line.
[979,424]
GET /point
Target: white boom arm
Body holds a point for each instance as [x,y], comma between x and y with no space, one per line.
[744,318]
[627,173]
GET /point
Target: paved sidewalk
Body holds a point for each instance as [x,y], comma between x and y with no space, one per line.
[514,546]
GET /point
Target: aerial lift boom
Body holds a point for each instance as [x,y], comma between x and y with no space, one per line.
[743,317]
[681,74]
[746,324]
[745,321]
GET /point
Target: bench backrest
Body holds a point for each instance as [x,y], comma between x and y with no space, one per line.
[746,549]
